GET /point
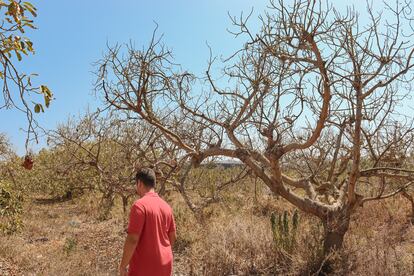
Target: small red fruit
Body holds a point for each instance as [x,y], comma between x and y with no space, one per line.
[28,163]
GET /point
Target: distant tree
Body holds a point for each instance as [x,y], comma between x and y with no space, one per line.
[311,101]
[16,19]
[11,198]
[101,152]
[4,146]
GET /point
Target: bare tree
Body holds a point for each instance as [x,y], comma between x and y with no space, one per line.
[309,102]
[103,151]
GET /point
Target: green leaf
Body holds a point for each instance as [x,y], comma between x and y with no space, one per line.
[46,91]
[47,94]
[29,6]
[30,25]
[47,101]
[19,56]
[37,108]
[29,45]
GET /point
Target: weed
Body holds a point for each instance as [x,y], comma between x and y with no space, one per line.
[284,230]
[70,245]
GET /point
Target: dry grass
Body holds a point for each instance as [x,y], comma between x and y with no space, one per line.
[60,239]
[66,239]
[381,240]
[233,244]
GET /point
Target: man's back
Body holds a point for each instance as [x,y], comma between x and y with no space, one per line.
[152,219]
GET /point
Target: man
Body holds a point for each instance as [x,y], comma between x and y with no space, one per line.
[151,232]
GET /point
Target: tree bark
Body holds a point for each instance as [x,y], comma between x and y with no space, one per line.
[336,224]
[333,241]
[107,202]
[411,199]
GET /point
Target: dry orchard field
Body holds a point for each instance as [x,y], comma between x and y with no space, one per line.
[237,238]
[295,159]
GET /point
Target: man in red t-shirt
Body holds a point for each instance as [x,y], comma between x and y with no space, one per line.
[151,232]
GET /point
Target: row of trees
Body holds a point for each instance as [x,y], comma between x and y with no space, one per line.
[311,107]
[99,153]
[312,103]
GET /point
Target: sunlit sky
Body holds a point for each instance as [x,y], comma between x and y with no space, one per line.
[72,35]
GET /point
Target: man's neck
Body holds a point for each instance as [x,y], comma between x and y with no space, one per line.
[149,191]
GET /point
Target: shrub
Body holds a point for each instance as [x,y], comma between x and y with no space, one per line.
[70,245]
[10,209]
[284,230]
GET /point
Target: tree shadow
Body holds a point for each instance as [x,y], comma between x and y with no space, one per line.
[59,199]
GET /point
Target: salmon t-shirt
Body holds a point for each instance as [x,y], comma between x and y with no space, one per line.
[152,219]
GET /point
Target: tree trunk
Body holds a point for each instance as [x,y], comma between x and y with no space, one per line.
[411,200]
[333,241]
[336,224]
[124,208]
[161,191]
[124,205]
[107,202]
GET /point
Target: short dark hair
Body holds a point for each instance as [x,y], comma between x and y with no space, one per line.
[147,176]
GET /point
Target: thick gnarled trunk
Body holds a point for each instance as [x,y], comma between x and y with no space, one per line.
[333,241]
[336,224]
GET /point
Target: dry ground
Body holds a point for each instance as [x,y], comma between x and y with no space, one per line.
[61,239]
[64,238]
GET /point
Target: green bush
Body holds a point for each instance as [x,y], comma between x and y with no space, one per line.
[10,209]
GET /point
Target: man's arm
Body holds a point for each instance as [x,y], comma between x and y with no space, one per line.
[172,236]
[131,242]
[172,230]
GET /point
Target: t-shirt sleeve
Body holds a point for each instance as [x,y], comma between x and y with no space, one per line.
[172,227]
[136,219]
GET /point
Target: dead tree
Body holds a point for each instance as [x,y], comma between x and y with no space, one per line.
[312,87]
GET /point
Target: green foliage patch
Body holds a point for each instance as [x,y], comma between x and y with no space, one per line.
[10,209]
[284,230]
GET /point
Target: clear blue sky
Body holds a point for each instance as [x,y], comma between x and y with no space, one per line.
[71,35]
